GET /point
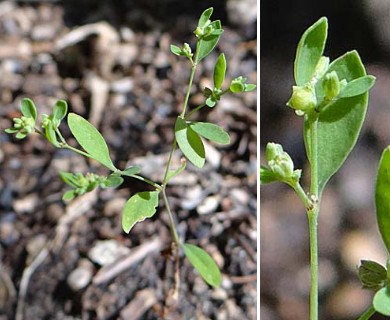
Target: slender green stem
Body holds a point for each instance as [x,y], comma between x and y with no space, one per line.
[194,110]
[302,195]
[313,237]
[367,314]
[152,183]
[313,219]
[193,69]
[169,163]
[171,219]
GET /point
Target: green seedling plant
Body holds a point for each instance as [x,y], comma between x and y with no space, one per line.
[188,138]
[332,99]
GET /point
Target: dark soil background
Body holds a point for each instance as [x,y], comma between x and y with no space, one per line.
[111,61]
[347,225]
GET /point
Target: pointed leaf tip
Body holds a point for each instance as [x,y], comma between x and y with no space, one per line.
[90,139]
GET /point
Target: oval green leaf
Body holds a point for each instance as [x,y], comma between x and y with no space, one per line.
[70,179]
[140,206]
[60,110]
[309,51]
[207,44]
[249,87]
[28,108]
[381,301]
[357,86]
[51,134]
[113,181]
[189,143]
[219,71]
[203,263]
[372,275]
[90,139]
[69,195]
[175,50]
[340,122]
[211,132]
[382,197]
[204,17]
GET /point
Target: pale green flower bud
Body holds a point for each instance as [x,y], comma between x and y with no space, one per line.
[280,163]
[283,167]
[187,50]
[273,150]
[331,85]
[303,98]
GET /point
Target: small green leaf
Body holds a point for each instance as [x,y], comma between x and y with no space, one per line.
[309,51]
[173,173]
[249,87]
[90,139]
[372,275]
[190,143]
[211,102]
[60,110]
[130,171]
[211,132]
[11,130]
[28,108]
[207,44]
[68,195]
[176,50]
[70,179]
[382,197]
[219,71]
[357,87]
[205,17]
[51,134]
[113,181]
[237,87]
[266,175]
[202,262]
[140,206]
[20,135]
[381,301]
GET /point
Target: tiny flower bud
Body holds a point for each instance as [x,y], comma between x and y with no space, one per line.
[273,150]
[303,98]
[331,85]
[283,167]
[187,50]
[280,163]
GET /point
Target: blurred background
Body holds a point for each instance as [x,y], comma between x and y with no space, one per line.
[110,60]
[347,225]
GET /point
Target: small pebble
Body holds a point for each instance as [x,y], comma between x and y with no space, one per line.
[209,205]
[219,294]
[107,251]
[80,277]
[123,85]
